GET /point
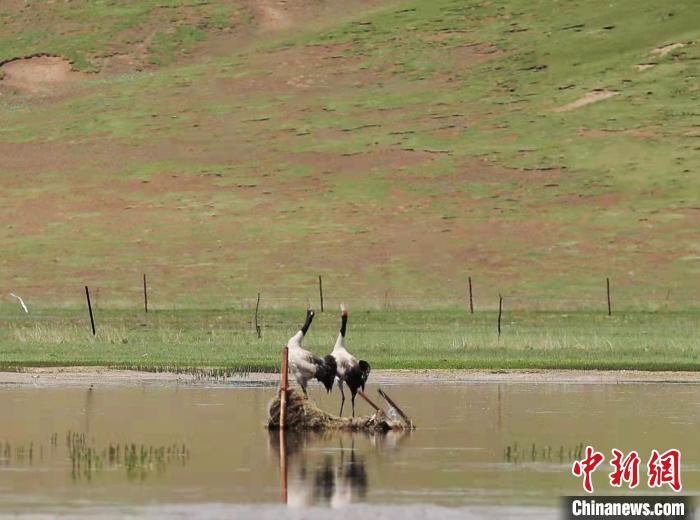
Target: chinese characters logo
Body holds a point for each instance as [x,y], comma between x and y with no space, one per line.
[662,468]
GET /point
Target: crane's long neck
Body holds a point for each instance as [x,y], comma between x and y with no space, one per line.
[340,342]
[343,324]
[295,341]
[307,323]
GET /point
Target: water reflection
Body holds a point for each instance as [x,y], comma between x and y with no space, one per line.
[328,469]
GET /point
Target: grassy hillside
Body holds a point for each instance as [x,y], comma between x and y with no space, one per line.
[393,148]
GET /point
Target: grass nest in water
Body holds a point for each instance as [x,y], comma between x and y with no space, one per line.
[303,414]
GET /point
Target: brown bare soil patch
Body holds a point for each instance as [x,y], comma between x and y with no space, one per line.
[471,54]
[363,162]
[40,74]
[665,49]
[591,97]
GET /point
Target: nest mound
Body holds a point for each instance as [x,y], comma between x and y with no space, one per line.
[303,414]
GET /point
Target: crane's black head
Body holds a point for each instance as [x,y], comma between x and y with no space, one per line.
[309,318]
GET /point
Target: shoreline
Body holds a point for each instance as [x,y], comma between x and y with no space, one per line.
[102,376]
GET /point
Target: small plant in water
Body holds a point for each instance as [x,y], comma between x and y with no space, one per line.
[542,453]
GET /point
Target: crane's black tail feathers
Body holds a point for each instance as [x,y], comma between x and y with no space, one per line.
[364,371]
[326,369]
[357,376]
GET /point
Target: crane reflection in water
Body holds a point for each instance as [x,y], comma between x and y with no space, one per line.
[329,469]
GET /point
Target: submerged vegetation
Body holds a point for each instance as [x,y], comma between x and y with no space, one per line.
[516,453]
[88,458]
[221,343]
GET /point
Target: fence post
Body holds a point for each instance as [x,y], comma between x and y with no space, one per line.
[471,300]
[145,294]
[500,312]
[320,290]
[92,319]
[257,327]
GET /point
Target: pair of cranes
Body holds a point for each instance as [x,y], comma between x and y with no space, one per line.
[339,365]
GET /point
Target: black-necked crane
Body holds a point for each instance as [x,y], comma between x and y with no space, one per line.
[350,371]
[304,366]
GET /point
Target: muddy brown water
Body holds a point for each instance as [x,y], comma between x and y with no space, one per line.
[199,450]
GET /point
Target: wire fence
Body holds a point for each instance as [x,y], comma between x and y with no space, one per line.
[484,297]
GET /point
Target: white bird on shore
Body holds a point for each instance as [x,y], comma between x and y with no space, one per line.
[21,302]
[304,366]
[349,370]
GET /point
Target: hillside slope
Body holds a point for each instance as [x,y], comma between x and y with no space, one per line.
[539,146]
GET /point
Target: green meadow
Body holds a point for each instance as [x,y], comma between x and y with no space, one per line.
[224,341]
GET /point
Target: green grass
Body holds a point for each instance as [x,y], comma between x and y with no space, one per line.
[224,339]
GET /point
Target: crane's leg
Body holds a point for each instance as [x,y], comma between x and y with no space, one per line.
[303,389]
[353,404]
[342,396]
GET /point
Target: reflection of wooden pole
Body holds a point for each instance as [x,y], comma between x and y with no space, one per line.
[283,415]
[284,386]
[283,463]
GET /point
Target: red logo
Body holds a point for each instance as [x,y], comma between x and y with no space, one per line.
[625,470]
[587,466]
[664,468]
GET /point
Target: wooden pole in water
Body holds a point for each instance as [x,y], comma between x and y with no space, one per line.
[403,415]
[500,312]
[92,318]
[607,283]
[362,394]
[320,290]
[471,299]
[284,386]
[145,294]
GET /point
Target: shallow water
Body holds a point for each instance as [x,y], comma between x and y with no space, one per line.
[196,445]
